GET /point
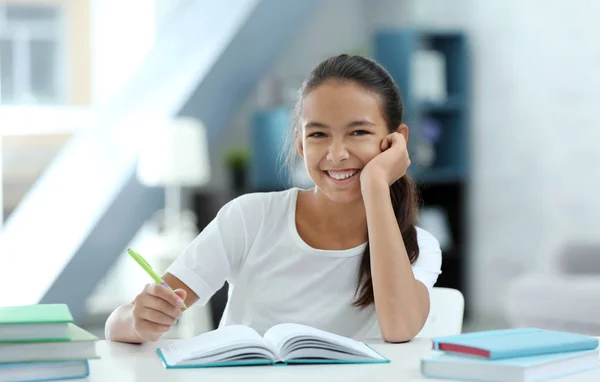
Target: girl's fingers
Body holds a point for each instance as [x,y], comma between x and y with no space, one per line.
[390,140]
[385,144]
[157,317]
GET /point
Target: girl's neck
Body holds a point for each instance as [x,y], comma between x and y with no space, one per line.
[347,219]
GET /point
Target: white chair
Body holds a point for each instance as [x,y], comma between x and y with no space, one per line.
[445,314]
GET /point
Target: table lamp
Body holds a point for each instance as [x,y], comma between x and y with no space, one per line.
[174,154]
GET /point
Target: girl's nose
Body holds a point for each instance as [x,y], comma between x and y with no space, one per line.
[337,153]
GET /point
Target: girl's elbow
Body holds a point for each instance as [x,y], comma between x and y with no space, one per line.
[398,336]
[400,332]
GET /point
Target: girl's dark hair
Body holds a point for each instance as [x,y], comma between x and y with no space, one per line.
[374,78]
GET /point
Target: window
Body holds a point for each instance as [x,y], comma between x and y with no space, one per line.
[32,59]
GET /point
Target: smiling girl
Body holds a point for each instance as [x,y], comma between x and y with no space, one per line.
[345,256]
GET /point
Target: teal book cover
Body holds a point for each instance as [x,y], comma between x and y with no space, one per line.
[35,314]
[512,343]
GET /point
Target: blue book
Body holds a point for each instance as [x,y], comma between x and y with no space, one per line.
[523,369]
[283,344]
[44,371]
[512,343]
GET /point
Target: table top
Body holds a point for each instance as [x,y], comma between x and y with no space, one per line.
[129,362]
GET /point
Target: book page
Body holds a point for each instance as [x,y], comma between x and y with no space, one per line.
[223,342]
[286,338]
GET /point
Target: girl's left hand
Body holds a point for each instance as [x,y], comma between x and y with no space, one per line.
[391,164]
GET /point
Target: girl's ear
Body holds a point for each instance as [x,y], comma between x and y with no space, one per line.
[299,144]
[403,129]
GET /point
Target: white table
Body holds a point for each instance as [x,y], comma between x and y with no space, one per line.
[128,363]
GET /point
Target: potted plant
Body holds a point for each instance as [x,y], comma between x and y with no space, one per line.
[237,160]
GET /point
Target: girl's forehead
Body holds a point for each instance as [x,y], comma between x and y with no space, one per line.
[340,103]
[347,97]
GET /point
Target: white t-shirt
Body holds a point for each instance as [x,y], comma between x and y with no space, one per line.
[276,277]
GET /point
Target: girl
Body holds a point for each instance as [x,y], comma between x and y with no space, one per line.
[344,256]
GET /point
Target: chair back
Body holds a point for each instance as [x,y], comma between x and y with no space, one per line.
[445,314]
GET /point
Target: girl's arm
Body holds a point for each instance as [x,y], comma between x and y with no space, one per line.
[197,273]
[401,302]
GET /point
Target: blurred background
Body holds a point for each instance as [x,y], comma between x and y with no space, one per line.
[129,123]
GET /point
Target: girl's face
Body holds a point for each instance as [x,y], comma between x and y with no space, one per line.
[341,127]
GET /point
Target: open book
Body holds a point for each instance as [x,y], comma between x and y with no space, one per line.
[282,344]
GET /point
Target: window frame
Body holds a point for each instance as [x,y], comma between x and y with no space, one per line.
[21,34]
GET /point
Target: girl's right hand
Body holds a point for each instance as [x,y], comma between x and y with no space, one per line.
[155,310]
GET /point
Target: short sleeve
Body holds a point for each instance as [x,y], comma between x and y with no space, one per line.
[428,266]
[214,255]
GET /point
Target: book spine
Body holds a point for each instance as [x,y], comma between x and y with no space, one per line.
[461,349]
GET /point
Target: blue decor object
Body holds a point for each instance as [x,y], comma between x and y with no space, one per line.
[268,134]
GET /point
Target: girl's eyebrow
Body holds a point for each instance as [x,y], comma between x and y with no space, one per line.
[361,122]
[315,125]
[320,125]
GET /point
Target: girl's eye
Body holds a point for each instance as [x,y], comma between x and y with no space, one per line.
[316,135]
[360,132]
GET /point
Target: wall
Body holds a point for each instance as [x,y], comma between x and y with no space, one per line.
[537,87]
[122,33]
[80,66]
[163,10]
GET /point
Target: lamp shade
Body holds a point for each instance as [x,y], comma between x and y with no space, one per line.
[174,153]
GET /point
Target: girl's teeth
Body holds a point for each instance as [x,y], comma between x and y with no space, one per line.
[342,176]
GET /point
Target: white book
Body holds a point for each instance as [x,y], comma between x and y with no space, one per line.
[81,345]
[521,369]
[282,344]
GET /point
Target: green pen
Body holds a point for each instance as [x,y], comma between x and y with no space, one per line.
[144,264]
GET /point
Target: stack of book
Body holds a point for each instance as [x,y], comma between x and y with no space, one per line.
[41,342]
[520,355]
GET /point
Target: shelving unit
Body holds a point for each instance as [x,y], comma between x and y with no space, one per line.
[442,182]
